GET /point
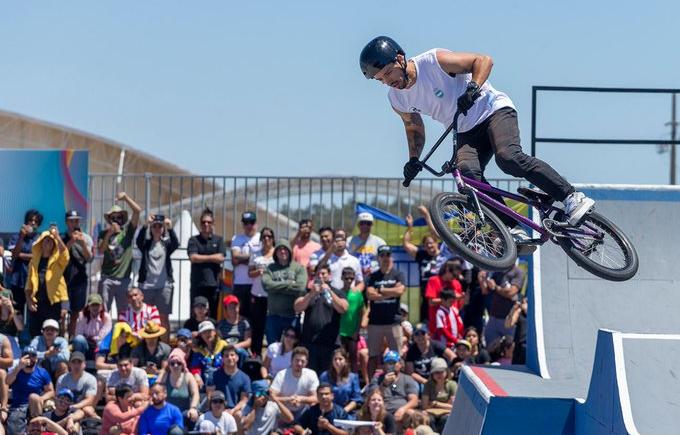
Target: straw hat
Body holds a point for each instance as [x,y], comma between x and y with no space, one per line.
[152,330]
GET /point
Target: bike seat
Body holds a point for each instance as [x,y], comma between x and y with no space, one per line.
[535,195]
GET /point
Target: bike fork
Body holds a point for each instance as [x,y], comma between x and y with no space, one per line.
[470,192]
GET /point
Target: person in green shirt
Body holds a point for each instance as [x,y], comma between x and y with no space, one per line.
[350,322]
[115,243]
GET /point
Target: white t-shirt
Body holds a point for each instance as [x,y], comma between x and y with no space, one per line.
[226,423]
[260,261]
[288,385]
[336,265]
[244,244]
[435,93]
[278,360]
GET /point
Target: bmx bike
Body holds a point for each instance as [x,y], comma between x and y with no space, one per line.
[466,223]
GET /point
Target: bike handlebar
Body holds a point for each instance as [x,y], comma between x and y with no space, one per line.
[453,126]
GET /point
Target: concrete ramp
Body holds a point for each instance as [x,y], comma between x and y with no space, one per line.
[582,376]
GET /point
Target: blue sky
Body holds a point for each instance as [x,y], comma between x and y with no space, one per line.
[273,88]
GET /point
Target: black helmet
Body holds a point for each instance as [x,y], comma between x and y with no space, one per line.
[381,51]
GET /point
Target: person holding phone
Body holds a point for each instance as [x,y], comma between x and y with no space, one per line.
[81,252]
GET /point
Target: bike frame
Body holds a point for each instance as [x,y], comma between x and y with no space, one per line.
[481,190]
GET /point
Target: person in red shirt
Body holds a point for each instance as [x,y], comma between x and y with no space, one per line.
[444,280]
[448,323]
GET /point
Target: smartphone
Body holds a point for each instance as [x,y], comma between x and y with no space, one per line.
[53,224]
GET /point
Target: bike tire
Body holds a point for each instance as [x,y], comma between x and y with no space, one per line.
[440,210]
[630,257]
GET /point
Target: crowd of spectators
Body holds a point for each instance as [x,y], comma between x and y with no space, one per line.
[309,335]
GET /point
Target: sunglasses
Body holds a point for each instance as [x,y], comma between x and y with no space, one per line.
[248,222]
[176,364]
[206,222]
[266,236]
[348,277]
[261,393]
[215,401]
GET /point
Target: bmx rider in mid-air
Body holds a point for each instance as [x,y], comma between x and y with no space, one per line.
[438,83]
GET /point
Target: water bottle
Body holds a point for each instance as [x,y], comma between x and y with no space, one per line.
[327,297]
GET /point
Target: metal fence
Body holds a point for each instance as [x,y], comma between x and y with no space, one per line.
[280,203]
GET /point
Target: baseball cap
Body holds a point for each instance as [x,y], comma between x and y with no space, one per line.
[79,356]
[384,249]
[217,395]
[183,333]
[206,325]
[365,217]
[438,365]
[200,300]
[65,392]
[421,328]
[464,343]
[95,298]
[72,214]
[29,350]
[230,299]
[391,357]
[50,323]
[249,216]
[260,388]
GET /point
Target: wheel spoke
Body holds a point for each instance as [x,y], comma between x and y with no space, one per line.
[462,223]
[607,250]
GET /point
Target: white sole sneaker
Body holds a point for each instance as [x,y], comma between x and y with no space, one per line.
[580,211]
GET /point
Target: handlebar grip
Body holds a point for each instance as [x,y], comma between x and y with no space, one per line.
[406,182]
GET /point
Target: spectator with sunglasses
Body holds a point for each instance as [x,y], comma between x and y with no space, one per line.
[421,353]
[242,246]
[181,386]
[206,253]
[365,245]
[20,245]
[157,241]
[259,261]
[280,353]
[80,249]
[31,386]
[115,243]
[263,411]
[218,416]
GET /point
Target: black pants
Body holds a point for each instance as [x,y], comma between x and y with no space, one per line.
[498,136]
[242,292]
[258,320]
[320,356]
[210,293]
[45,311]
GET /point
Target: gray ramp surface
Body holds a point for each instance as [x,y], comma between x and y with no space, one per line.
[576,304]
[653,379]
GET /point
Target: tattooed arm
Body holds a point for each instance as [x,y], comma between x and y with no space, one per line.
[415,132]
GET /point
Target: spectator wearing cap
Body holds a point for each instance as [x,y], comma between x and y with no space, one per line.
[151,354]
[206,253]
[64,418]
[234,383]
[138,312]
[384,289]
[115,244]
[302,243]
[31,386]
[340,258]
[463,350]
[200,312]
[320,418]
[296,386]
[181,386]
[93,325]
[263,411]
[184,337]
[20,245]
[399,389]
[80,383]
[284,280]
[127,374]
[234,329]
[119,415]
[421,352]
[157,241]
[53,351]
[438,393]
[218,416]
[242,247]
[259,261]
[160,417]
[81,252]
[365,245]
[46,293]
[323,305]
[206,357]
[448,323]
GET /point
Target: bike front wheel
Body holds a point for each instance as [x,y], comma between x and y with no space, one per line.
[487,244]
[601,248]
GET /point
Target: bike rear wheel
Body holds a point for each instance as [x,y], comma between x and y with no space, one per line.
[487,245]
[601,248]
